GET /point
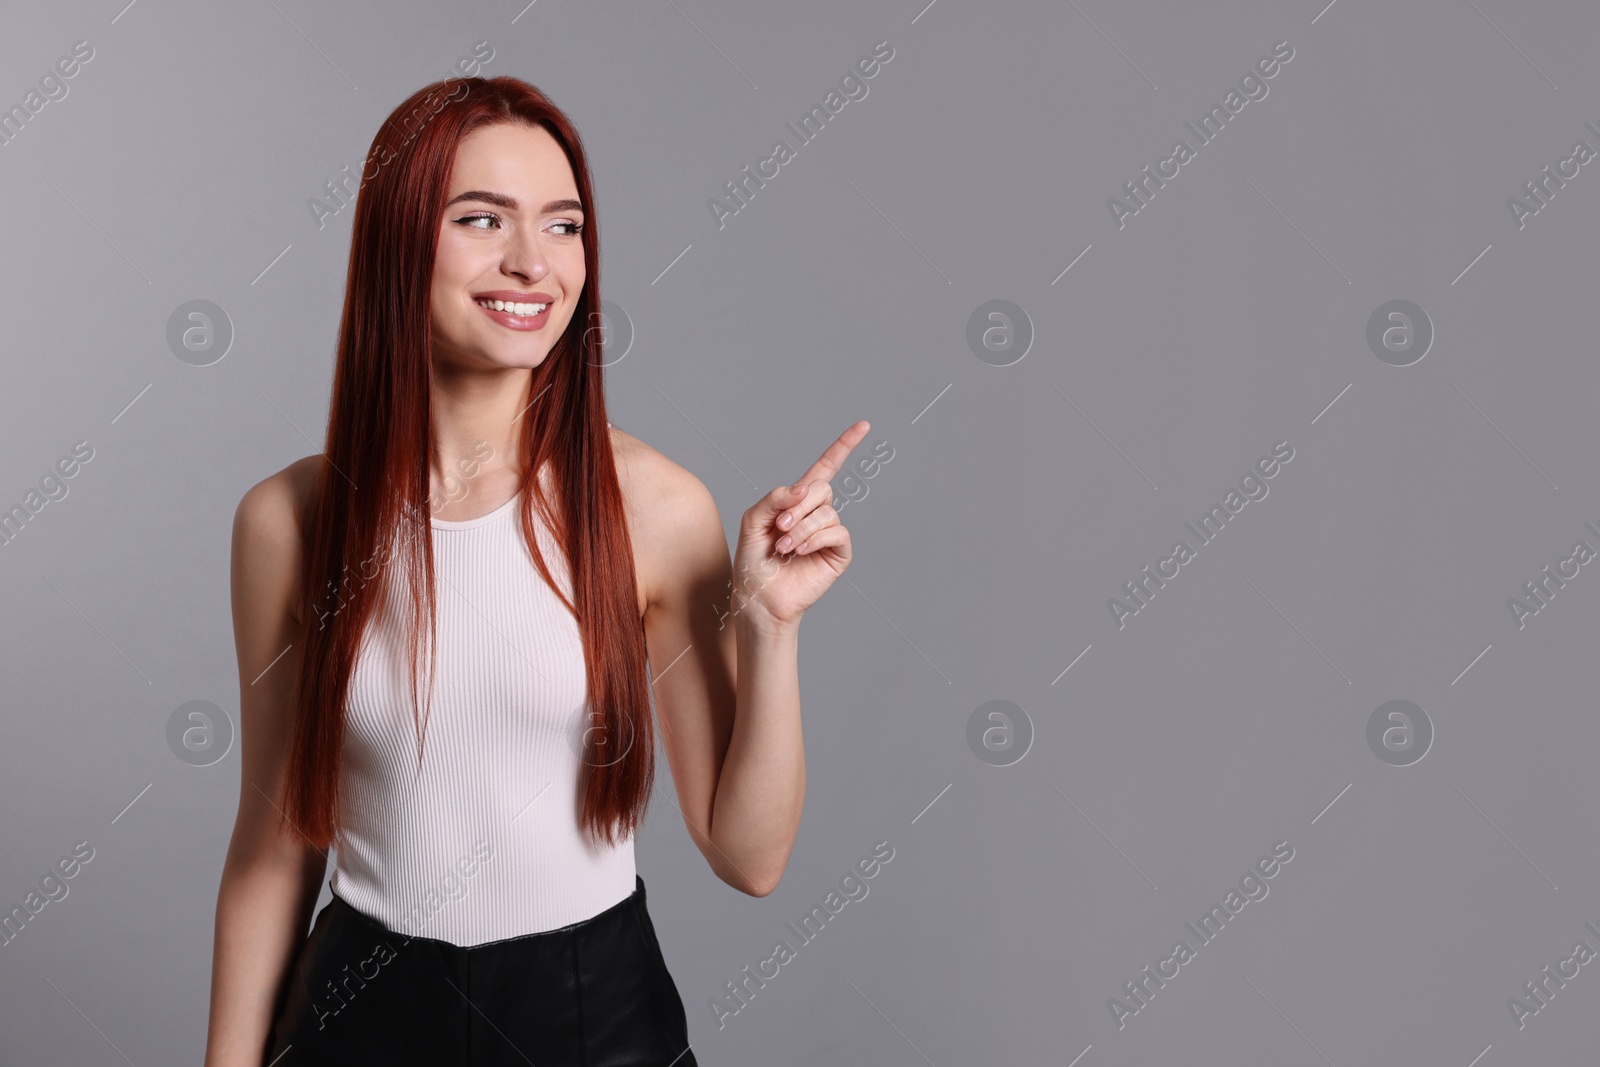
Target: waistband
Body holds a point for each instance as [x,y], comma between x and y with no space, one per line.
[636,899]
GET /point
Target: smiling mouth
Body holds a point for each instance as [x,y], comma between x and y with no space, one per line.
[510,308]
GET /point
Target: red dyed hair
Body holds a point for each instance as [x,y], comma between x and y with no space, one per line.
[375,482]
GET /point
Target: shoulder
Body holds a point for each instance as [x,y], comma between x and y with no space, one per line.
[267,529]
[650,480]
[672,517]
[276,507]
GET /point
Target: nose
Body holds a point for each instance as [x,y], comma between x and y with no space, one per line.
[524,257]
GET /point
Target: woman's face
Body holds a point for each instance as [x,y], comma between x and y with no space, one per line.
[509,232]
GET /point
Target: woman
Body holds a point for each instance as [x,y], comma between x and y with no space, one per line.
[486,908]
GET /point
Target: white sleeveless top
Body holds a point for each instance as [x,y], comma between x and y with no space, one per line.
[482,843]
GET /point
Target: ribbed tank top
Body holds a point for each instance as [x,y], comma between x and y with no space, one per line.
[481,842]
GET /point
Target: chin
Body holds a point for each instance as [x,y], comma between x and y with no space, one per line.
[517,360]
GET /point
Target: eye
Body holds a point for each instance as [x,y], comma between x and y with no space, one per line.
[468,220]
[573,228]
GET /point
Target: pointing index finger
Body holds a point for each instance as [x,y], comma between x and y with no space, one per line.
[828,464]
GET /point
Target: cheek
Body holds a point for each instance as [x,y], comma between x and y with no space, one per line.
[573,272]
[456,270]
[453,261]
[445,302]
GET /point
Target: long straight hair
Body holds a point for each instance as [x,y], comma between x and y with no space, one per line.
[374,483]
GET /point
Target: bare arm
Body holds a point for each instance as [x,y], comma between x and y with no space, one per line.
[729,695]
[271,878]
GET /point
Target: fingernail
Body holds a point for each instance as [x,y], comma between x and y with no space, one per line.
[800,488]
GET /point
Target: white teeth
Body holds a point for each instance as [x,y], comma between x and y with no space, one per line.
[515,309]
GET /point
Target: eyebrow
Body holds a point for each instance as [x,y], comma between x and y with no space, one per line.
[510,203]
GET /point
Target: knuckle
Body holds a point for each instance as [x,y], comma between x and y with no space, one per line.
[820,518]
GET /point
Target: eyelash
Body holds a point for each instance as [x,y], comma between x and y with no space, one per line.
[577,227]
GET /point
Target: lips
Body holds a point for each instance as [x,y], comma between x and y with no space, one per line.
[512,319]
[515,296]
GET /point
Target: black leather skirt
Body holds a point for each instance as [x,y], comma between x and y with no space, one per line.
[596,993]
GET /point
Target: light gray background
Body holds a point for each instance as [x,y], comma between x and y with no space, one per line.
[1228,315]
